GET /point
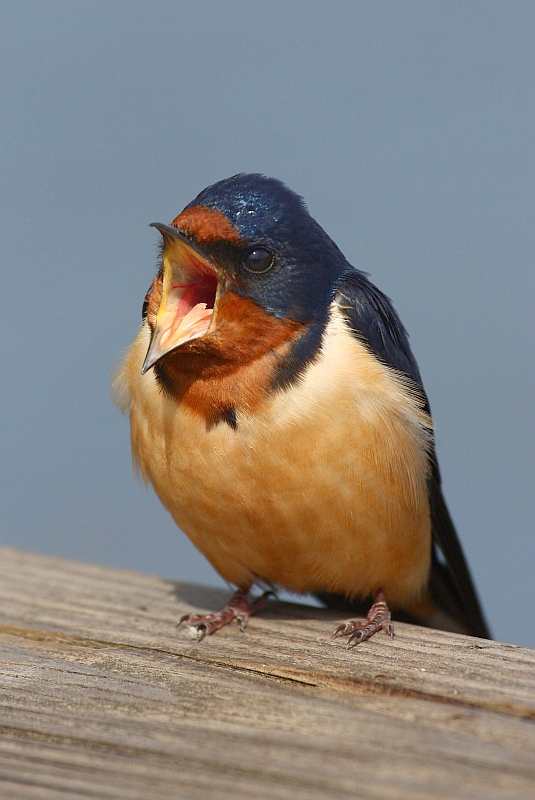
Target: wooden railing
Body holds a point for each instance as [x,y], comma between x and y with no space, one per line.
[102,697]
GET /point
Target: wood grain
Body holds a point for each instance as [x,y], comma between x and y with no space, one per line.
[102,697]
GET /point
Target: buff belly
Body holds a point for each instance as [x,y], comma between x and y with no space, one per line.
[323,489]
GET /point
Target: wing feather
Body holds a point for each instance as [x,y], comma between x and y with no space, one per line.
[373,319]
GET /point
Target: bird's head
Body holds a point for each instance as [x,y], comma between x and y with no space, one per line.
[244,269]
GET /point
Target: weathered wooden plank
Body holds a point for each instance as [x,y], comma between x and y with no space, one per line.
[103,697]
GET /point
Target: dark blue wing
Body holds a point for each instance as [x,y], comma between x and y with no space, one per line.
[373,319]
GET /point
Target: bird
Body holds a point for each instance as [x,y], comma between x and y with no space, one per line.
[278,412]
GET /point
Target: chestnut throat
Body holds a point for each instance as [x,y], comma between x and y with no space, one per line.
[234,367]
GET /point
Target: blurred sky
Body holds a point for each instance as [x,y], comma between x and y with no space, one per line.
[409,129]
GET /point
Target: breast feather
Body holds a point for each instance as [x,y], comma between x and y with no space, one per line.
[324,489]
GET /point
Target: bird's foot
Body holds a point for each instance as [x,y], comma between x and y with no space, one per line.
[359,630]
[239,608]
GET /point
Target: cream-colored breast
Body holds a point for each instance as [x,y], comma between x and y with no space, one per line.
[324,489]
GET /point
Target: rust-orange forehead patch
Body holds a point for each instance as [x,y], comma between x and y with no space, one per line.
[206,225]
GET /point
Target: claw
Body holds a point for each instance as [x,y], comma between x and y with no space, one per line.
[343,630]
[378,619]
[201,631]
[239,609]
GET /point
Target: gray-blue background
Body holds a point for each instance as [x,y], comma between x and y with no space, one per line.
[409,129]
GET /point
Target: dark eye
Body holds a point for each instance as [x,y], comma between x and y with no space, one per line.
[258,260]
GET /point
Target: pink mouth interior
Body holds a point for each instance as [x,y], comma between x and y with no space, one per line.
[195,300]
[200,291]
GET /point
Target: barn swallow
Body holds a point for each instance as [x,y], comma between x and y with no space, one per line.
[278,411]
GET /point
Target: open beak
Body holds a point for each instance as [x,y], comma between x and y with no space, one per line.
[188,296]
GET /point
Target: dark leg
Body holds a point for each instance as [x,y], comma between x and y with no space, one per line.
[378,619]
[239,608]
